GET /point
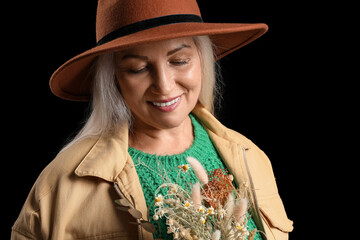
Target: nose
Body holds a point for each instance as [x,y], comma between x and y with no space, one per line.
[163,80]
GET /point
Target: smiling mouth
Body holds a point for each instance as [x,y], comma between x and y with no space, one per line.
[166,104]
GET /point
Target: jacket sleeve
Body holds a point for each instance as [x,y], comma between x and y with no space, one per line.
[27,225]
[277,224]
[15,235]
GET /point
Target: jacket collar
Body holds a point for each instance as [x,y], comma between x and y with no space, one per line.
[108,156]
[215,126]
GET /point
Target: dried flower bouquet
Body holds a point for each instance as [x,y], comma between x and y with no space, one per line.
[209,209]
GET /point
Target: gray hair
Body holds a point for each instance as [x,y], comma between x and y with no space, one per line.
[109,110]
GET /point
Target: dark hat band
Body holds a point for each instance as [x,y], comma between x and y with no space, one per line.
[147,24]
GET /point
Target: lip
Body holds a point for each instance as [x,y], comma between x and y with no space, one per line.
[166,108]
[166,100]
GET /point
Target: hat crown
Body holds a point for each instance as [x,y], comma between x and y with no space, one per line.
[115,14]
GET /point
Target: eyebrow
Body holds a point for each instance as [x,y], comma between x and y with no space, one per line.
[178,49]
[145,58]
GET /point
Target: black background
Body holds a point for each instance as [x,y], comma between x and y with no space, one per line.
[273,94]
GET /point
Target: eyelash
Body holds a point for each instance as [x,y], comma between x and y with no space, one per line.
[176,63]
[137,71]
[180,62]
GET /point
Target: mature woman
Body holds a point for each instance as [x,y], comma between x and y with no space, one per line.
[152,84]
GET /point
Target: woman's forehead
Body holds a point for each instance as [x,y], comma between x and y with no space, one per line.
[167,46]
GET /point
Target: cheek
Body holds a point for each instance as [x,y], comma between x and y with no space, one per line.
[130,91]
[192,78]
[123,85]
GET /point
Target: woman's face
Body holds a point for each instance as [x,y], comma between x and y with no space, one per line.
[160,81]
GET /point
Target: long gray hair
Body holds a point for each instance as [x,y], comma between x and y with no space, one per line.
[109,110]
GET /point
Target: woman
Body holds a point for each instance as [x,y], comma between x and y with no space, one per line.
[152,82]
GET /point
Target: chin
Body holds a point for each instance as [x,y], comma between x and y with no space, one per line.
[167,121]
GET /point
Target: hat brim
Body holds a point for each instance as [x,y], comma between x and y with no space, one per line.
[71,81]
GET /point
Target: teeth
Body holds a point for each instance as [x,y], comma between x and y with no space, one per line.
[167,103]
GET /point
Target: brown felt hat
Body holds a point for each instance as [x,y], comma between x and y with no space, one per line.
[121,24]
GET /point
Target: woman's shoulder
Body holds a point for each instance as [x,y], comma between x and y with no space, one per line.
[239,137]
[63,166]
[215,127]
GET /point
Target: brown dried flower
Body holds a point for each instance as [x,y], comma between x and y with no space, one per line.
[218,188]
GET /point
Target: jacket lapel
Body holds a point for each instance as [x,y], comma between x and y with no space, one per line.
[232,150]
[228,145]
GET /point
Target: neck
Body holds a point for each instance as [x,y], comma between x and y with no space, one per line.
[166,141]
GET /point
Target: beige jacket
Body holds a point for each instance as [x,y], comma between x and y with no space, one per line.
[73,198]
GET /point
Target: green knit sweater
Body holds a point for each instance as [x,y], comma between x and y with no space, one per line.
[202,149]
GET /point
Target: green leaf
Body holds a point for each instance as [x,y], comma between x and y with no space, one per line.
[123,202]
[135,223]
[125,209]
[135,213]
[148,226]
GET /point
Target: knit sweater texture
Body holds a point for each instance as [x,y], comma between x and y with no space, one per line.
[149,165]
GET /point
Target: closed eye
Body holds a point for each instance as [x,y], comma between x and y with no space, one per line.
[180,62]
[138,71]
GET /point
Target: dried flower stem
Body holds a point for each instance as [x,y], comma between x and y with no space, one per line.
[209,209]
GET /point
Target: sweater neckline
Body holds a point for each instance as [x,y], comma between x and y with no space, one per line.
[196,144]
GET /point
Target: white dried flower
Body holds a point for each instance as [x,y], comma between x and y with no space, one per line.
[184,232]
[161,212]
[187,204]
[210,211]
[222,212]
[170,221]
[200,209]
[184,167]
[176,235]
[239,227]
[159,200]
[173,189]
